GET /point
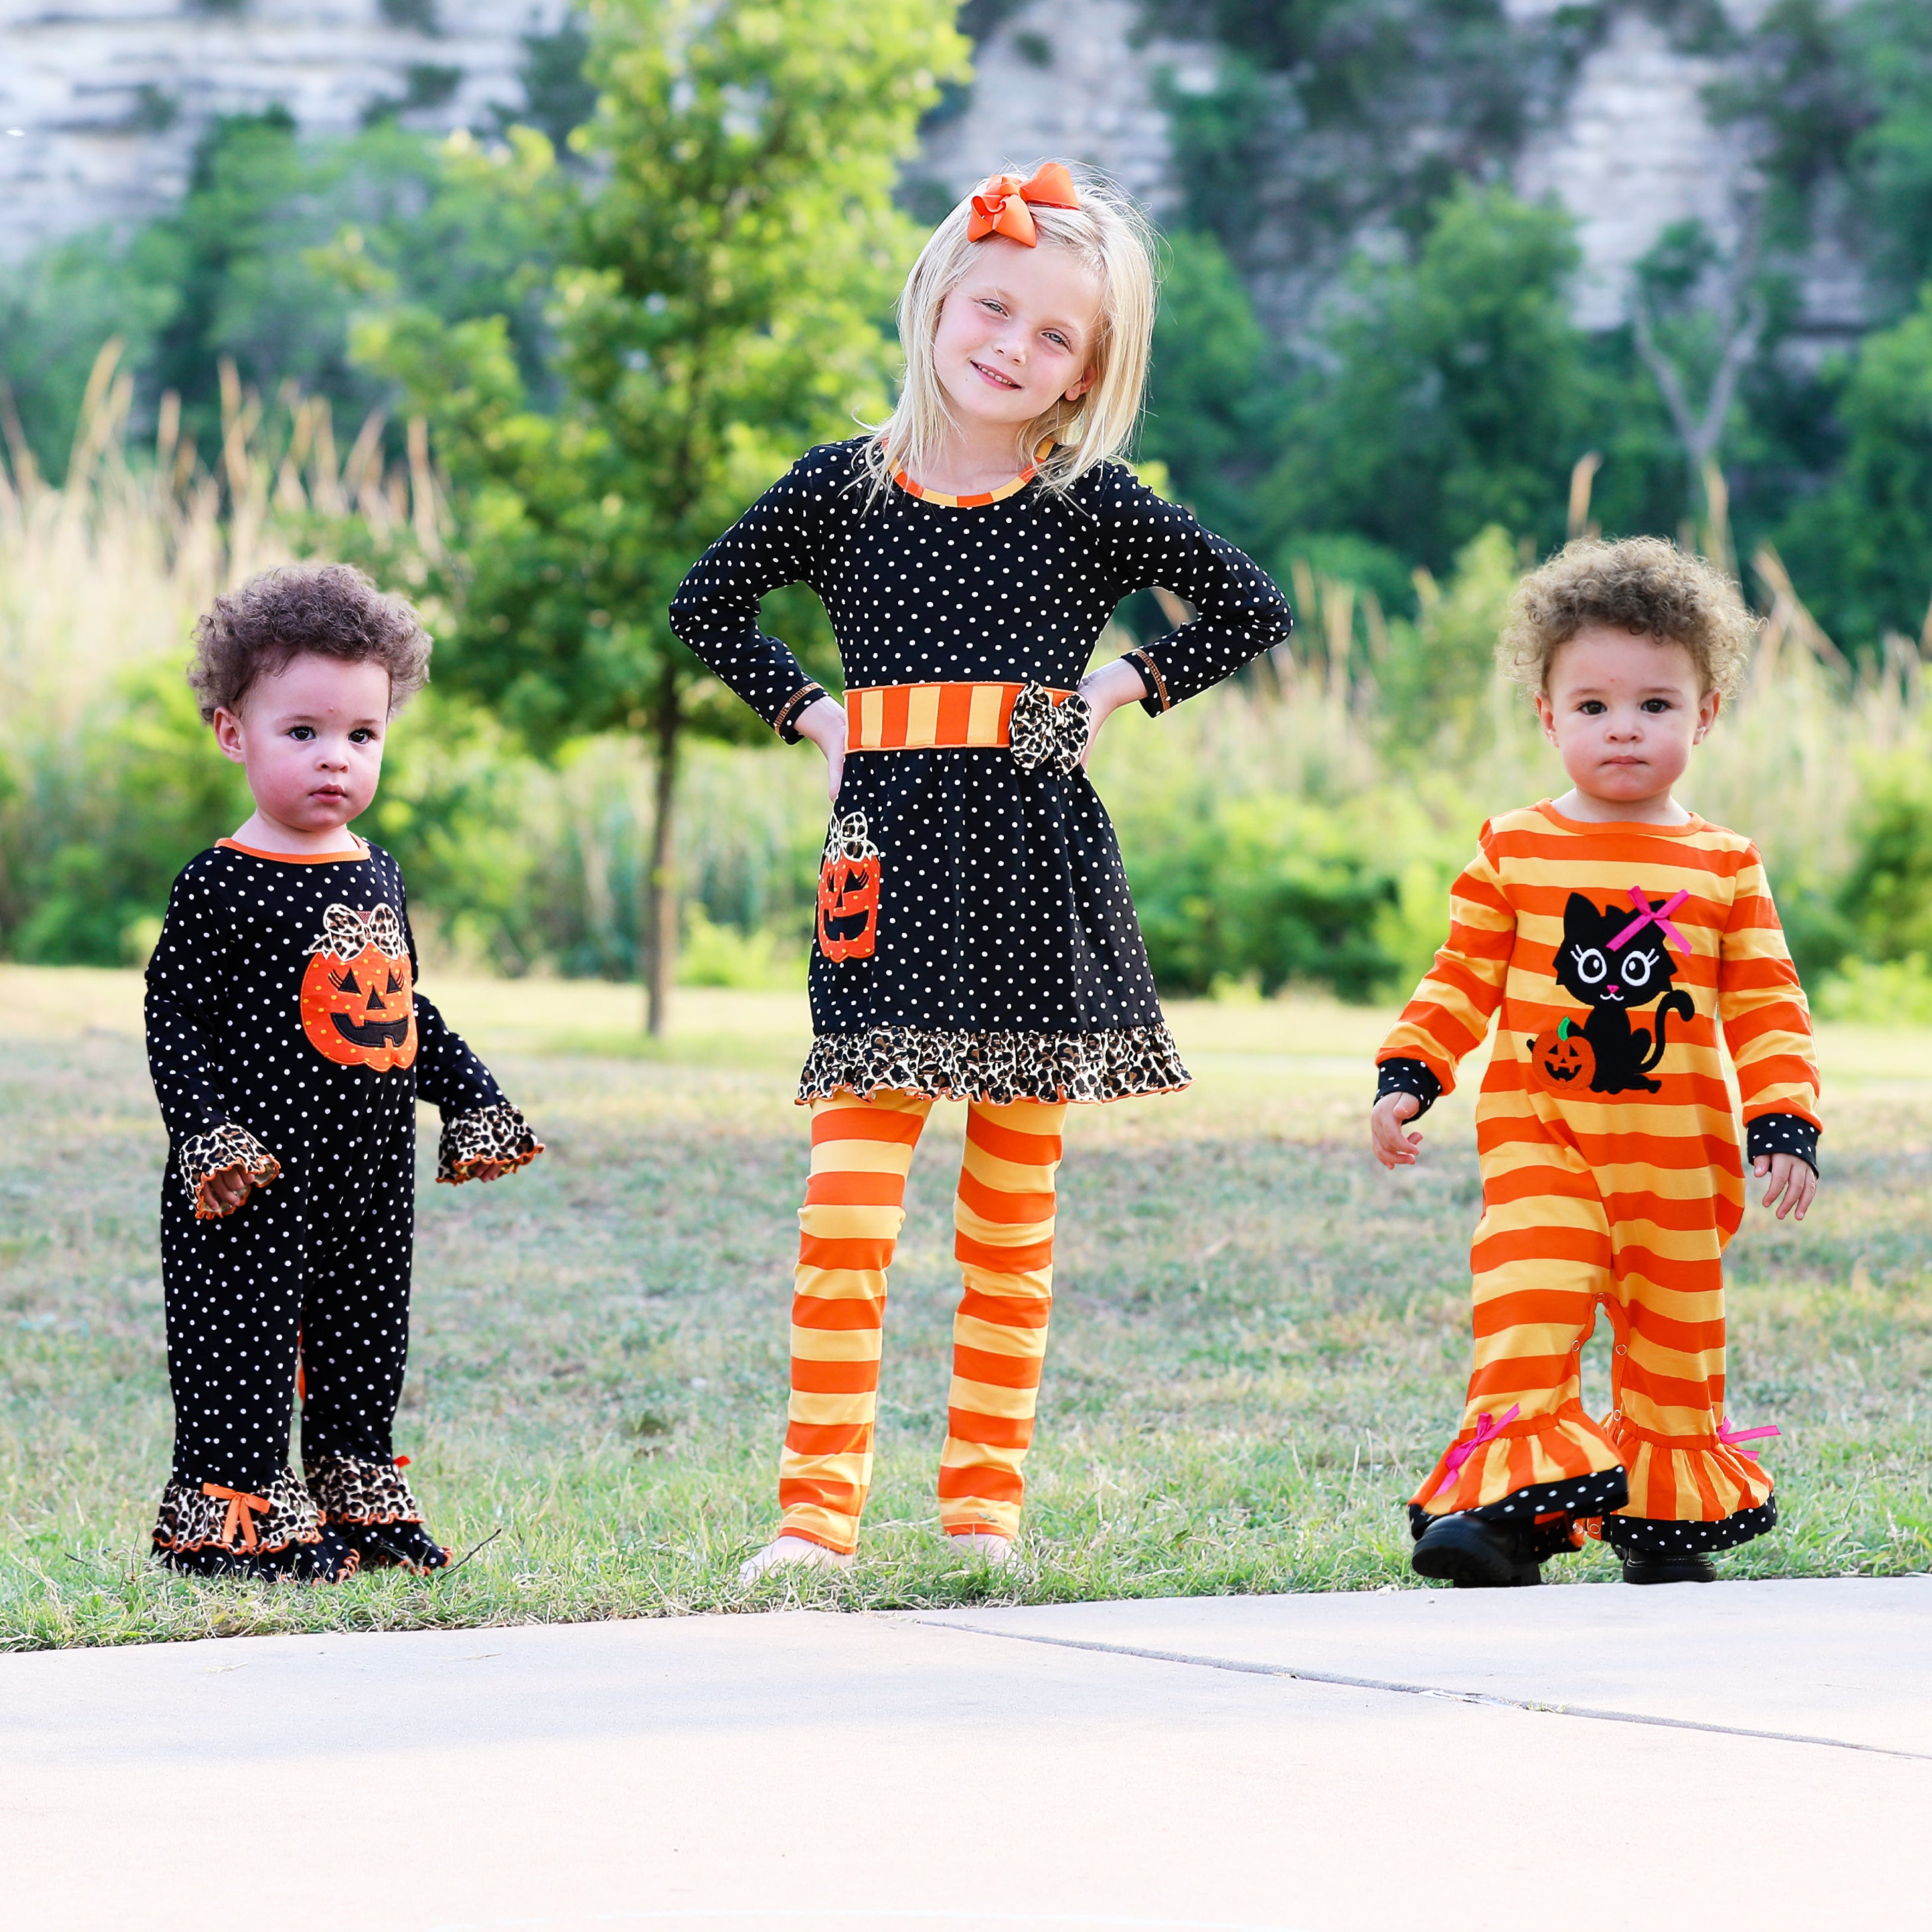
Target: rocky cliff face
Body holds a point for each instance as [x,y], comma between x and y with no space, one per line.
[1632,149]
[100,101]
[108,95]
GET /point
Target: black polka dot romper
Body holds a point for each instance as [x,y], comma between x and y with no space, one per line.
[287,1041]
[1008,964]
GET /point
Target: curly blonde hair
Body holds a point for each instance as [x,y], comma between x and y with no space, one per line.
[1643,585]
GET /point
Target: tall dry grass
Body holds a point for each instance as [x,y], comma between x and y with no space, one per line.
[526,867]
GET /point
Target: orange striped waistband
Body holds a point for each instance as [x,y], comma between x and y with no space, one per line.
[933,717]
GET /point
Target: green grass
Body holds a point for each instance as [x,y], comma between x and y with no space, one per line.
[1259,1344]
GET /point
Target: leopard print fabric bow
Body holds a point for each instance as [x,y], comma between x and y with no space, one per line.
[345,931]
[1043,732]
[849,837]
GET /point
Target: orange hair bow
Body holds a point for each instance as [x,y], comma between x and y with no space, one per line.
[1000,204]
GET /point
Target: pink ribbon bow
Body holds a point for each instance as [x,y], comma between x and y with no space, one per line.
[1730,1438]
[1660,914]
[1487,1429]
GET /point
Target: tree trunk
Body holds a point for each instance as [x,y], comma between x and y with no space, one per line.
[660,933]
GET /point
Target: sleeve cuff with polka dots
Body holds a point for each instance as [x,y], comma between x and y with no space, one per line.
[1783,1133]
[1409,1076]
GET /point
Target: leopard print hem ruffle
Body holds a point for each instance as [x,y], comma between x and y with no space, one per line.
[226,1149]
[498,1133]
[200,1516]
[347,1490]
[1000,1068]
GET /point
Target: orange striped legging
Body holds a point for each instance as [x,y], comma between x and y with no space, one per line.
[854,1206]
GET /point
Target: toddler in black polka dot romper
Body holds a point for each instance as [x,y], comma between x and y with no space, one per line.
[288,1046]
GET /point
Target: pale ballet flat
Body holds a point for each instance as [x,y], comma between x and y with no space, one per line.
[996,1551]
[783,1550]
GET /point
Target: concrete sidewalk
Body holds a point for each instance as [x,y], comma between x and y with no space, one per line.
[1743,1755]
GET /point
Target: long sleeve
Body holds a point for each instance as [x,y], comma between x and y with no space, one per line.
[186,977]
[716,610]
[1447,1017]
[479,1123]
[1239,610]
[1767,1023]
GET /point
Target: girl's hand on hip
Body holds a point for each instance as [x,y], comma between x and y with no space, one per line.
[1106,691]
[1791,1178]
[1392,1148]
[822,720]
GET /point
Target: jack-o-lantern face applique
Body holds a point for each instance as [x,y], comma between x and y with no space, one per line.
[1562,1061]
[848,891]
[358,995]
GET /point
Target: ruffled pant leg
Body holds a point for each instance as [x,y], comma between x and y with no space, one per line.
[232,1287]
[1527,1453]
[1690,1491]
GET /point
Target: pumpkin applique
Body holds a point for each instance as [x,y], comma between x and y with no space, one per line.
[848,891]
[1561,1061]
[358,993]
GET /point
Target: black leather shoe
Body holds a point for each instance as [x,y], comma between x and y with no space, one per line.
[394,1546]
[1474,1554]
[1643,1567]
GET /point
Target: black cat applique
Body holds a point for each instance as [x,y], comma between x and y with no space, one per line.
[1614,960]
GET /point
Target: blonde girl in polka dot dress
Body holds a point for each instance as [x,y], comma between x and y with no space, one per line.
[288,1046]
[975,939]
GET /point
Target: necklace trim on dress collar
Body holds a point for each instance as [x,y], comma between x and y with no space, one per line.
[977,500]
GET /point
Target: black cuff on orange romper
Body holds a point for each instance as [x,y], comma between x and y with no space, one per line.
[1783,1133]
[1409,1076]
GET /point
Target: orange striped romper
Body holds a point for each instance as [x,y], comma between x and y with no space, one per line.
[1612,1174]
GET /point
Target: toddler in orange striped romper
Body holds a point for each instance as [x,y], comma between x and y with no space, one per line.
[1618,932]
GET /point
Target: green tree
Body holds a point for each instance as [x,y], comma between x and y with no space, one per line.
[717,308]
[1863,549]
[1214,402]
[1446,394]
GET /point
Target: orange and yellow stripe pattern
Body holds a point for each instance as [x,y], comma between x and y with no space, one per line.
[976,499]
[854,1207]
[933,717]
[1623,1201]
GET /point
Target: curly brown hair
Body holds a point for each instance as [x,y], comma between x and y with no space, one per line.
[330,609]
[1643,585]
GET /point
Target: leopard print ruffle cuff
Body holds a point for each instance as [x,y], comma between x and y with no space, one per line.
[346,1489]
[498,1133]
[999,1067]
[197,1516]
[226,1149]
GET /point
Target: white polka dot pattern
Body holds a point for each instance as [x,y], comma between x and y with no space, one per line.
[323,1254]
[1004,914]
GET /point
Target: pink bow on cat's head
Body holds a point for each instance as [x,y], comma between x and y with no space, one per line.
[1647,913]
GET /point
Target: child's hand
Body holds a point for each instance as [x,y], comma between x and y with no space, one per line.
[1392,1148]
[822,720]
[1106,691]
[226,1191]
[492,1170]
[1791,1178]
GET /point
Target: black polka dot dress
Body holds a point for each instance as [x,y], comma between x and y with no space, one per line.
[288,1043]
[1007,963]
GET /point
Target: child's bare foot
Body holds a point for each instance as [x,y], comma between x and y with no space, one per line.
[788,1549]
[996,1551]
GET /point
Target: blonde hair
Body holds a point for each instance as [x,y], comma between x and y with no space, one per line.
[1643,585]
[1115,240]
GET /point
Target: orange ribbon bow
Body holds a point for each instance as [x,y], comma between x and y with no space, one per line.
[240,1506]
[1000,204]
